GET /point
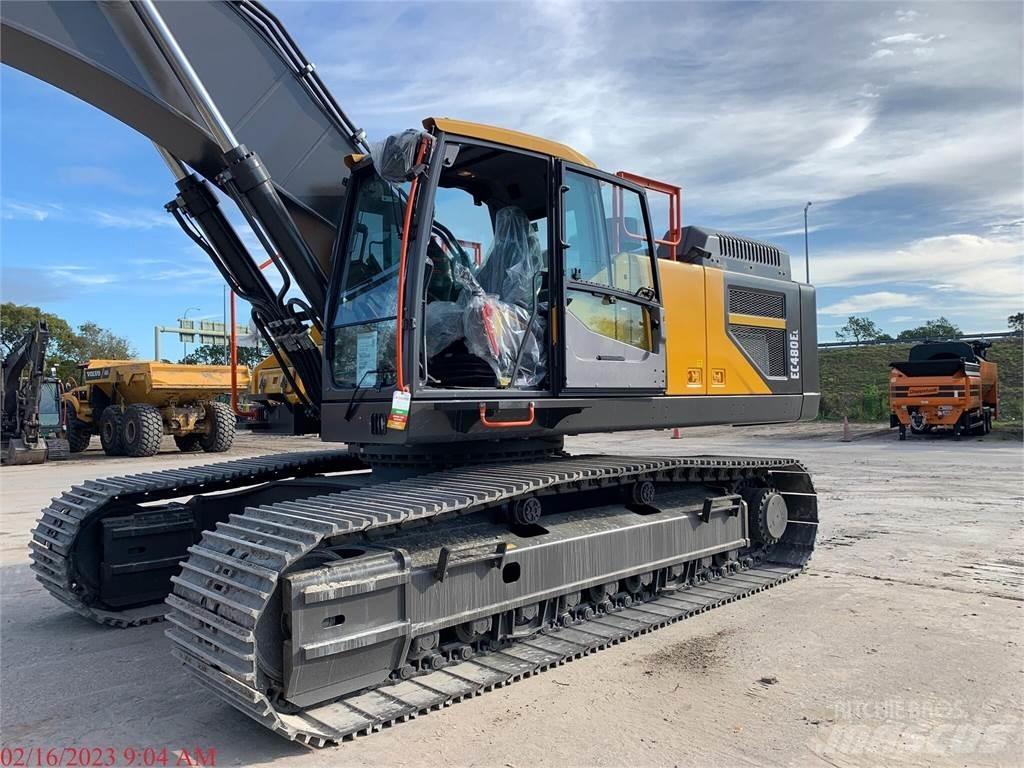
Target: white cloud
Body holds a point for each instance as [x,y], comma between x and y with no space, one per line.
[969,263]
[743,130]
[906,16]
[80,276]
[909,37]
[127,218]
[142,218]
[870,302]
[13,210]
[850,133]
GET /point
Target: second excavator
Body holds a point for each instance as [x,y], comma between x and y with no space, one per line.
[453,546]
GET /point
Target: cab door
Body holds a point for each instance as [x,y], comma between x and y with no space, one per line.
[612,336]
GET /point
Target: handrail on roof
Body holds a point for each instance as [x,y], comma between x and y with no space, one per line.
[674,235]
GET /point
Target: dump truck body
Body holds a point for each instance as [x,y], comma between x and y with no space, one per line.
[160,384]
[132,404]
[948,386]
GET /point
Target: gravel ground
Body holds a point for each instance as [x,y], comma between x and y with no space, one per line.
[901,645]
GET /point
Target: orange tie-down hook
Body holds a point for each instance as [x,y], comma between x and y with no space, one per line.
[527,422]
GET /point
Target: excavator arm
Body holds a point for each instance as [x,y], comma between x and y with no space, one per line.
[23,369]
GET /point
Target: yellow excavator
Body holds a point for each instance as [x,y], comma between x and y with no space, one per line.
[452,546]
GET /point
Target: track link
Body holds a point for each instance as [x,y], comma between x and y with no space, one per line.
[54,537]
[228,582]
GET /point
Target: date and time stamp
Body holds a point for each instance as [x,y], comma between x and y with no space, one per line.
[107,757]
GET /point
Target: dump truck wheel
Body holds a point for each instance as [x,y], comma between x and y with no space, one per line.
[222,428]
[187,443]
[79,434]
[112,430]
[143,430]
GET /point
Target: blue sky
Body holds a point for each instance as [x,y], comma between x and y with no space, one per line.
[903,123]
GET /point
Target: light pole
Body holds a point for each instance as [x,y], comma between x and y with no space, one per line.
[807,257]
[184,316]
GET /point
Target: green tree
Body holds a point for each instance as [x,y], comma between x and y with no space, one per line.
[99,343]
[67,348]
[218,354]
[1016,322]
[937,329]
[860,329]
[17,319]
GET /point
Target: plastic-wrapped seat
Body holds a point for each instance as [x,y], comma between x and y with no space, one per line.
[492,313]
[513,260]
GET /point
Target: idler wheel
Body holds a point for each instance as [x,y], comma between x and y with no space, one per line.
[767,513]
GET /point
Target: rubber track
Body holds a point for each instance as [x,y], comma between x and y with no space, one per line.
[227,583]
[54,535]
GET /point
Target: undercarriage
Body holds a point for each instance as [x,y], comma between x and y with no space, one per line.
[326,601]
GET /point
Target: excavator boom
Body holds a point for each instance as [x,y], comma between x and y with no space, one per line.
[267,93]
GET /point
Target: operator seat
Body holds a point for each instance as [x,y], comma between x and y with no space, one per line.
[513,259]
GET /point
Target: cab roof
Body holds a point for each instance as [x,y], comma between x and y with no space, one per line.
[507,137]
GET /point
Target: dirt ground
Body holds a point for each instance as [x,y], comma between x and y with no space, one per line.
[901,645]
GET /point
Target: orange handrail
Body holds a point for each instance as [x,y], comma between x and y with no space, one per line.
[675,207]
[477,248]
[410,202]
[505,424]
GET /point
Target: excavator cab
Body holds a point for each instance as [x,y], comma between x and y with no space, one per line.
[563,300]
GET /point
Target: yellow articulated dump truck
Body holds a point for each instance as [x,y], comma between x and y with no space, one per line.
[132,404]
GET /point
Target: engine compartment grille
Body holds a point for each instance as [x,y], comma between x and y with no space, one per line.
[760,303]
[766,347]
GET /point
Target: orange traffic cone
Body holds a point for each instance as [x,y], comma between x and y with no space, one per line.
[846,430]
[676,435]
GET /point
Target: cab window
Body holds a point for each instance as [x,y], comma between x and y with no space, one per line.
[609,270]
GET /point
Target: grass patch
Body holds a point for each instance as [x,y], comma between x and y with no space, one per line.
[855,380]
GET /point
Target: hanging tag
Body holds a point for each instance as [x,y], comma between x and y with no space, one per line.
[399,415]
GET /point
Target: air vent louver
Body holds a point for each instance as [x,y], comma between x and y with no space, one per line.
[766,347]
[759,303]
[750,250]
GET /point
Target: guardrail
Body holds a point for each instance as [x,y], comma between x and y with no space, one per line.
[963,337]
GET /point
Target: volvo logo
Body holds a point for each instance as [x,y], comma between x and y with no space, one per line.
[794,354]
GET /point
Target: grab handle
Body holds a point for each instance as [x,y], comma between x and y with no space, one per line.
[504,424]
